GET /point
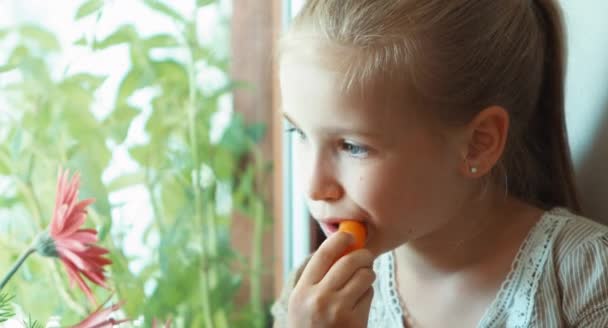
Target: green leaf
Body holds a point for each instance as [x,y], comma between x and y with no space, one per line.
[89,82]
[105,229]
[151,155]
[180,271]
[132,81]
[3,33]
[125,181]
[163,9]
[256,132]
[223,164]
[139,56]
[175,200]
[30,323]
[165,118]
[6,68]
[202,3]
[124,34]
[81,42]
[160,41]
[235,138]
[141,154]
[119,122]
[74,102]
[88,8]
[91,165]
[244,189]
[128,286]
[6,308]
[45,39]
[18,56]
[171,72]
[8,202]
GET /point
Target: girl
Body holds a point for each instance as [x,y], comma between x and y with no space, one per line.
[439,124]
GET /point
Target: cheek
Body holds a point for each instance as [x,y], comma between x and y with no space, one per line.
[382,193]
[389,202]
[399,194]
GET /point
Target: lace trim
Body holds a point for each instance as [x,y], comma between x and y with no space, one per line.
[517,292]
[386,309]
[395,300]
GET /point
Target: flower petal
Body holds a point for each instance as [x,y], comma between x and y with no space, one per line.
[101,318]
[75,259]
[73,274]
[96,277]
[86,236]
[90,263]
[70,244]
[76,246]
[58,220]
[76,217]
[71,194]
[61,182]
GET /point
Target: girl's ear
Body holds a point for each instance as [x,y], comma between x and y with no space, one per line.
[485,143]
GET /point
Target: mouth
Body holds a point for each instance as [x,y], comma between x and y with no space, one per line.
[331,226]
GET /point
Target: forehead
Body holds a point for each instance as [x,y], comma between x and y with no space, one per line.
[313,91]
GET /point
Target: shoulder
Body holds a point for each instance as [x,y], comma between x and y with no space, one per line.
[577,240]
[576,234]
[581,254]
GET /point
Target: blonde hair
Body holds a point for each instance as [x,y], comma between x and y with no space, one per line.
[453,58]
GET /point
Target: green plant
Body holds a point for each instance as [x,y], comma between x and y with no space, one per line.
[189,178]
[6,310]
[30,323]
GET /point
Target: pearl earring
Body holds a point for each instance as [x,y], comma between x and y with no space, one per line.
[473,170]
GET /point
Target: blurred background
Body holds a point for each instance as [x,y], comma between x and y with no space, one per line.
[167,109]
[587,101]
[164,107]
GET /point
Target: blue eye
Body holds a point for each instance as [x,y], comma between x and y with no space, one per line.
[355,150]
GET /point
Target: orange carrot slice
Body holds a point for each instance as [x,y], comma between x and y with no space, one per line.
[357,229]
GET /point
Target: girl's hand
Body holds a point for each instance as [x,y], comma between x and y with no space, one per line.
[337,295]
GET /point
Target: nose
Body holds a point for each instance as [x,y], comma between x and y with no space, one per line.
[322,183]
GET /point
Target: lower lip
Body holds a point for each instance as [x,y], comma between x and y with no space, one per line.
[330,228]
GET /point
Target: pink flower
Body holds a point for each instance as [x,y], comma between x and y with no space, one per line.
[101,318]
[74,246]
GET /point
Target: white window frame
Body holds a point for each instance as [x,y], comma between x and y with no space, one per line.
[296,227]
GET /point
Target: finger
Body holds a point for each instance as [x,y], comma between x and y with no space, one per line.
[345,268]
[323,258]
[356,287]
[365,302]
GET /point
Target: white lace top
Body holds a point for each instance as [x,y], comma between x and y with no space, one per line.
[558,279]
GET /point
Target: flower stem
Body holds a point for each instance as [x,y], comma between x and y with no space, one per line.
[257,265]
[196,179]
[16,267]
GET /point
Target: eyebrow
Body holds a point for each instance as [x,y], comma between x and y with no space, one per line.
[338,130]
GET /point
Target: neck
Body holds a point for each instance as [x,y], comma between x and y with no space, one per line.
[472,236]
